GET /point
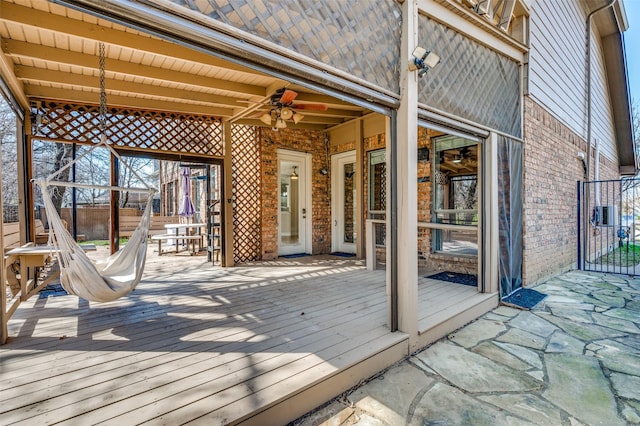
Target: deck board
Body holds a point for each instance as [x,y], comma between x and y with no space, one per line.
[201,343]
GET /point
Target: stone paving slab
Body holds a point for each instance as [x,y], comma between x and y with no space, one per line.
[573,360]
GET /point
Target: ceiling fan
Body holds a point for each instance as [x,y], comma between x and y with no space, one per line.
[284,109]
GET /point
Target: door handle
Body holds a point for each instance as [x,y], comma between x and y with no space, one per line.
[335,223]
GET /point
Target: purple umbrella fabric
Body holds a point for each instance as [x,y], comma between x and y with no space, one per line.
[186,206]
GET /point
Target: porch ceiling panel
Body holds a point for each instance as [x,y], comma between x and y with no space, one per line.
[54,52]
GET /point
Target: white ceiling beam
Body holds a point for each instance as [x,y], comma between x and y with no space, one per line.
[252,107]
[64,94]
[290,125]
[59,56]
[32,74]
[43,20]
[15,85]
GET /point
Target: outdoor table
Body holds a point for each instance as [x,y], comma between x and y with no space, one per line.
[184,232]
[30,258]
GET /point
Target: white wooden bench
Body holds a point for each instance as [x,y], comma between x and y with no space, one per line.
[193,239]
[128,224]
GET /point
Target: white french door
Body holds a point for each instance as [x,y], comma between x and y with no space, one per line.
[343,202]
[294,214]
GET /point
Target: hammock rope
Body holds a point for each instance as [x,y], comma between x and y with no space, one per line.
[119,274]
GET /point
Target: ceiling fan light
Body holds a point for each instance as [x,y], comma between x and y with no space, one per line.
[286,113]
[266,119]
[297,117]
[280,124]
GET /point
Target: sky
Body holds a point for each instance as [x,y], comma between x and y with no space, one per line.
[632,48]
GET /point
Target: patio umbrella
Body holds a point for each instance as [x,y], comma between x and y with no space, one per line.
[186,205]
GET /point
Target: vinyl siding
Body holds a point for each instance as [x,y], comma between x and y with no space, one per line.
[557,74]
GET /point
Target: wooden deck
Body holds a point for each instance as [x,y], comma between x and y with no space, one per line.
[258,344]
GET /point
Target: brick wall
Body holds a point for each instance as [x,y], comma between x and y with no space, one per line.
[551,170]
[306,141]
[424,195]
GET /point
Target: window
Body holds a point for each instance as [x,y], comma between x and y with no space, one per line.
[377,181]
[455,195]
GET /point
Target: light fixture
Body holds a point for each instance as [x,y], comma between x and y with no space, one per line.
[266,118]
[294,175]
[423,60]
[297,117]
[457,158]
[280,124]
[286,113]
[276,118]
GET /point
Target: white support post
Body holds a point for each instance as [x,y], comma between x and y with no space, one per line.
[402,212]
[360,248]
[491,213]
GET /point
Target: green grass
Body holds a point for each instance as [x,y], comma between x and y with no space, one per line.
[627,255]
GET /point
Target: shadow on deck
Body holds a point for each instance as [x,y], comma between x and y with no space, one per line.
[261,343]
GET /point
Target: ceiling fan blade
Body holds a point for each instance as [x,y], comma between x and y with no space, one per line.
[288,96]
[313,107]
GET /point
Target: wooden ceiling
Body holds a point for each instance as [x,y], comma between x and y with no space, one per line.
[459,161]
[51,52]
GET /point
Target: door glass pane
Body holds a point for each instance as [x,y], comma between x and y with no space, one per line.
[455,196]
[349,202]
[289,203]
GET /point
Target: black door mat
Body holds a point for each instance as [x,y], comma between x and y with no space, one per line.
[52,290]
[524,298]
[455,277]
[293,256]
[342,254]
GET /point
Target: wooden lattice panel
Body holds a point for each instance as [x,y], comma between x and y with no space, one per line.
[246,178]
[128,128]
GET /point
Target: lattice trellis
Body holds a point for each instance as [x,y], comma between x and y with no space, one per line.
[471,81]
[128,128]
[247,191]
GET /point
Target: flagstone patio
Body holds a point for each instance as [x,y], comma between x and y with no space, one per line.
[574,359]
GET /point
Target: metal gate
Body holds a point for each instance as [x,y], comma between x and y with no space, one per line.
[609,226]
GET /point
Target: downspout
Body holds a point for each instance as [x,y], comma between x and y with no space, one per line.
[588,24]
[586,213]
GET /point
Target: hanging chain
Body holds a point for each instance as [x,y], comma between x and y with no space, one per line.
[103,92]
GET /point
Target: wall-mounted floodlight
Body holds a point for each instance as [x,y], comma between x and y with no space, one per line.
[423,60]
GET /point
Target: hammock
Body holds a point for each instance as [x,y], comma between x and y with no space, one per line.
[105,280]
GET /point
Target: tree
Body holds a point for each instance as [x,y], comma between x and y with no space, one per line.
[630,201]
[47,158]
[144,167]
[8,154]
